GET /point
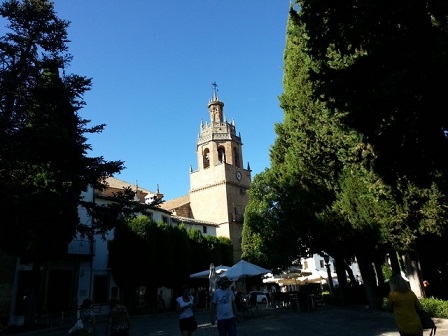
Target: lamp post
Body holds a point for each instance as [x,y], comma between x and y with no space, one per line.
[329,278]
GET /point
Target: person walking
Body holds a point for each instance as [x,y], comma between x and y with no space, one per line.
[160,303]
[239,300]
[224,309]
[404,304]
[184,307]
[87,316]
[119,321]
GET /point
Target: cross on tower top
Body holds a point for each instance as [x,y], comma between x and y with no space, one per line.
[215,87]
[215,91]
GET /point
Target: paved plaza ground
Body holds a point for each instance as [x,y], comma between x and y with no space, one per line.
[324,321]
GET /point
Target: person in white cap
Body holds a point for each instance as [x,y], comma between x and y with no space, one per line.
[224,309]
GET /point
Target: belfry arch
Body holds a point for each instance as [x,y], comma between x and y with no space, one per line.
[221,155]
[206,158]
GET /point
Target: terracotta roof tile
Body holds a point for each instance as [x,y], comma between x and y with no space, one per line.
[175,203]
[117,185]
[193,221]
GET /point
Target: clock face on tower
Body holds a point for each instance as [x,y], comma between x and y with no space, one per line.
[238,176]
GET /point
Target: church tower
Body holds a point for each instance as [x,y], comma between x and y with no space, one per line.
[218,189]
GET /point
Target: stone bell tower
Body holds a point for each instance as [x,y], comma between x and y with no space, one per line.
[218,188]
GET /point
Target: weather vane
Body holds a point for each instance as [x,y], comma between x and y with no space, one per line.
[215,86]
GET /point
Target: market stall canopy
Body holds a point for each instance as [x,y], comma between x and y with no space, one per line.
[243,268]
[286,277]
[316,276]
[205,274]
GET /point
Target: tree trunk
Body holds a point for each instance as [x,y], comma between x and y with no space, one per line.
[413,273]
[394,262]
[342,278]
[378,263]
[369,280]
[31,308]
[351,276]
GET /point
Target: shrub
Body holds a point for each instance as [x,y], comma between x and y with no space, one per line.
[435,307]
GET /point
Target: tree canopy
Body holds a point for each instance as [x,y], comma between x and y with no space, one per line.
[358,166]
[44,162]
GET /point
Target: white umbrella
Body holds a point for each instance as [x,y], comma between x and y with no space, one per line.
[205,274]
[324,274]
[243,268]
[288,277]
[316,276]
[212,280]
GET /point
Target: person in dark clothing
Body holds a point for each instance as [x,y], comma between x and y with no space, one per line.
[119,320]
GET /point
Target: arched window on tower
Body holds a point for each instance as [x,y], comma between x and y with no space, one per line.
[221,155]
[206,158]
[236,157]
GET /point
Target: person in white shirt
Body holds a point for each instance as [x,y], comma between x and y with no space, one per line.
[184,307]
[224,309]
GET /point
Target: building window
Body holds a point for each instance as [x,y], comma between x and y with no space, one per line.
[204,229]
[321,263]
[165,219]
[150,216]
[305,264]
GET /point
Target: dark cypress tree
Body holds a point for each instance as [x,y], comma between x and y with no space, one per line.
[43,153]
[315,160]
[393,89]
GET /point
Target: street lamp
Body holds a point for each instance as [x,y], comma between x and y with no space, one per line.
[329,279]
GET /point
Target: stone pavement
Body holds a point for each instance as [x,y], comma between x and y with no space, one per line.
[324,321]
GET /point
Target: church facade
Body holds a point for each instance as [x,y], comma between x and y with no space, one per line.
[219,187]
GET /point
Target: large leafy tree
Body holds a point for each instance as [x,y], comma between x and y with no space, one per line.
[270,238]
[44,164]
[355,161]
[317,158]
[393,88]
[43,158]
[394,85]
[43,154]
[331,192]
[294,197]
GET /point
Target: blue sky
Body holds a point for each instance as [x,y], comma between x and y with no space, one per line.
[152,63]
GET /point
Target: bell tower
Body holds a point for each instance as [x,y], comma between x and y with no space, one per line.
[218,188]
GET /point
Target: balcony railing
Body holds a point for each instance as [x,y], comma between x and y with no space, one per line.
[82,247]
